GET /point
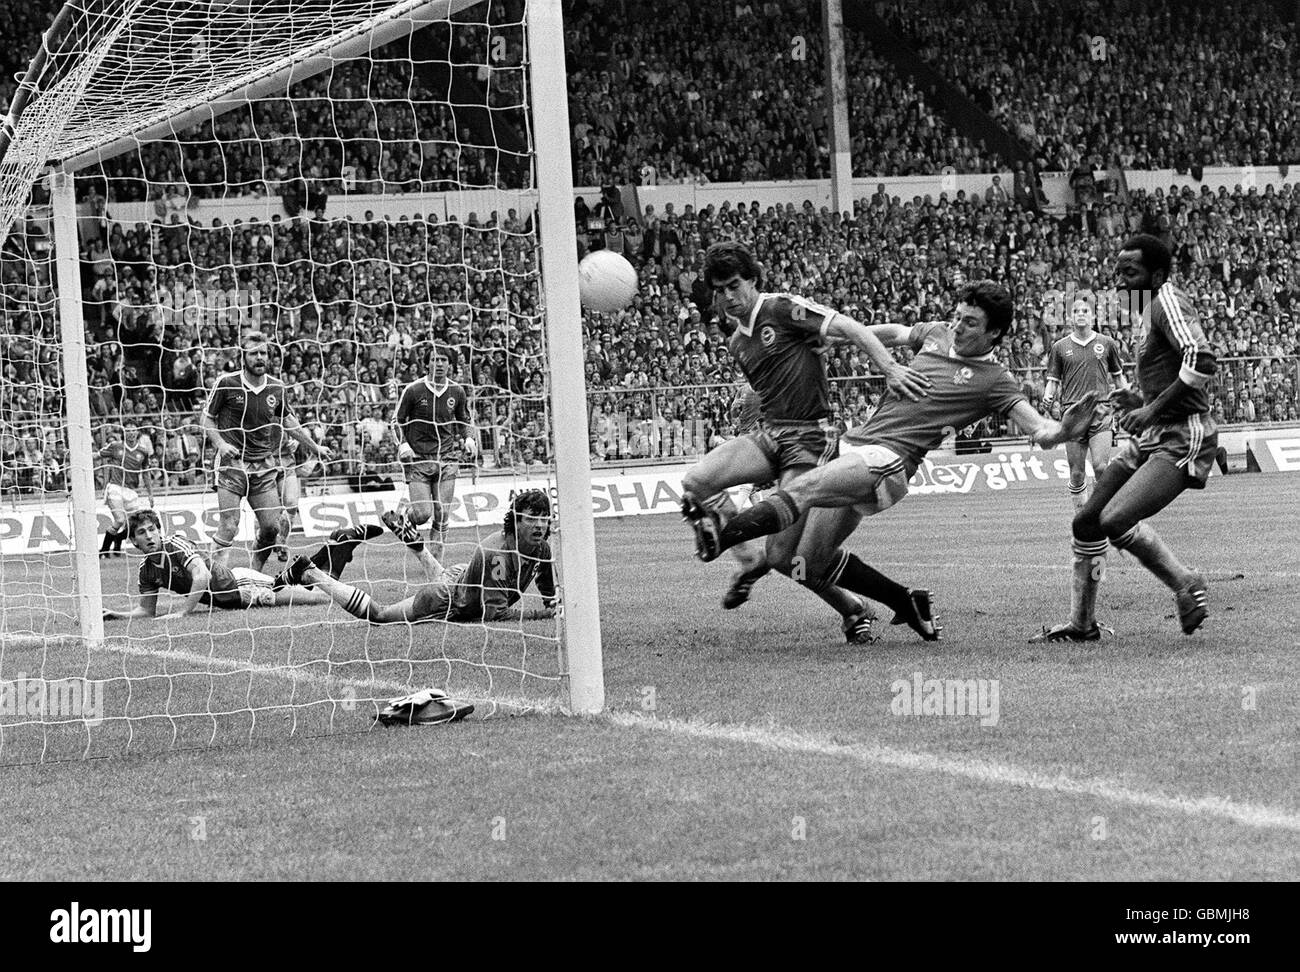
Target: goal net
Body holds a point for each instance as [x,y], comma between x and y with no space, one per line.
[359,183]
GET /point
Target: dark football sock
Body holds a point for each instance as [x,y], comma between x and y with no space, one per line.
[773,515]
[863,579]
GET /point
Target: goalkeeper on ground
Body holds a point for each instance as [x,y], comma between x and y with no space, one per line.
[175,564]
[485,589]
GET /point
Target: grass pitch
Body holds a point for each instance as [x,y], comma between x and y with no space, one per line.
[747,744]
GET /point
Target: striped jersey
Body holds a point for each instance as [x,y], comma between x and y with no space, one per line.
[494,579]
[1084,366]
[777,350]
[1174,347]
[962,391]
[125,463]
[434,423]
[251,419]
[171,568]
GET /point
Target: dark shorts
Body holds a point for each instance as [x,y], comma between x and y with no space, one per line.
[1188,443]
[432,472]
[1102,422]
[798,445]
[262,477]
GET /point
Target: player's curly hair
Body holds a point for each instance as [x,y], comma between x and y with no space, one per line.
[1156,255]
[531,502]
[138,518]
[726,259]
[995,301]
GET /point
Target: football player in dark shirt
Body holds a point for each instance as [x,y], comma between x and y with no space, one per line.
[434,433]
[246,417]
[174,563]
[486,589]
[775,340]
[125,472]
[962,383]
[1173,445]
[1078,363]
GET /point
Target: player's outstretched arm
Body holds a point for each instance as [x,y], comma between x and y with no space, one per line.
[147,608]
[875,340]
[1049,433]
[200,579]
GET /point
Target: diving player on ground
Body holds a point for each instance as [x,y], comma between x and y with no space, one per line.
[962,382]
[1173,445]
[775,343]
[485,589]
[1081,362]
[175,564]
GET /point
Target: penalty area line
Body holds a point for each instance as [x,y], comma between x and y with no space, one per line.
[981,771]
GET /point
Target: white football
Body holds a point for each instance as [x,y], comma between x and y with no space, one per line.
[606,281]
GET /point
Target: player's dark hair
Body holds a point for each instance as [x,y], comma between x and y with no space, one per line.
[727,259]
[138,518]
[995,301]
[440,349]
[1156,255]
[531,502]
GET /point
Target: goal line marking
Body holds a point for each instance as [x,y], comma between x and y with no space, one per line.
[296,673]
[981,771]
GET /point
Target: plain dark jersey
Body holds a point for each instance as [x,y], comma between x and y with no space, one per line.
[777,350]
[434,425]
[250,419]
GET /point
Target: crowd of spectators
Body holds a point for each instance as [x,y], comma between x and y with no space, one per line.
[1236,252]
[1154,84]
[696,93]
[352,304]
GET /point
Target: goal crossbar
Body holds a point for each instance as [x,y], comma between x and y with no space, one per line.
[374,32]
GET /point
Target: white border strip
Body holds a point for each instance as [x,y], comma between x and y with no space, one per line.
[980,771]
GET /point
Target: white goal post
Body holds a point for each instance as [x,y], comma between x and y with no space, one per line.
[102,94]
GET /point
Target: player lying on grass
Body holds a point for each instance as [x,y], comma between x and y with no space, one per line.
[175,564]
[961,383]
[485,589]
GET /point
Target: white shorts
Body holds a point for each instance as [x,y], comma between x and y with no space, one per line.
[254,587]
[121,498]
[888,483]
